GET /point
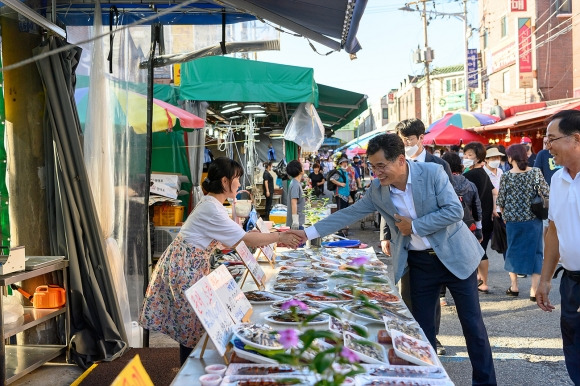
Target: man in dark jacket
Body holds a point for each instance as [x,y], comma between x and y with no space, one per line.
[412,132]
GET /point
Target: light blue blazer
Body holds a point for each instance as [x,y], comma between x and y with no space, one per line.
[439,219]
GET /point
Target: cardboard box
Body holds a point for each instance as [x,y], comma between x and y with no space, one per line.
[171,180]
[164,190]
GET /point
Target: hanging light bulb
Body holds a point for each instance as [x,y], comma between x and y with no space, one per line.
[253,109]
[230,108]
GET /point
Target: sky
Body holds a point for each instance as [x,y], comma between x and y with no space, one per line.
[388,37]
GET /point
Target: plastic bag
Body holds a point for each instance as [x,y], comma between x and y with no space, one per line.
[12,309]
[305,128]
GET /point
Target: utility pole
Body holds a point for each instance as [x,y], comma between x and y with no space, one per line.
[427,60]
[466,72]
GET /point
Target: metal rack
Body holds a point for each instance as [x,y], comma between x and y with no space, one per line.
[18,360]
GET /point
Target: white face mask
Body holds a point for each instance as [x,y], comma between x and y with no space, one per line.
[437,154]
[467,162]
[411,150]
[460,154]
[494,164]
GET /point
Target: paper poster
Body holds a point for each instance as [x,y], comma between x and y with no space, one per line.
[229,293]
[211,313]
[251,264]
[267,250]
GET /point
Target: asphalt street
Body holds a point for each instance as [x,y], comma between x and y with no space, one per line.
[525,341]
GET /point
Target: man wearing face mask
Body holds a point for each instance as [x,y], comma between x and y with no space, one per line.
[412,132]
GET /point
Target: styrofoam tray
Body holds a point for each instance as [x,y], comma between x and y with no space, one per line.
[235,368]
[268,317]
[256,358]
[247,341]
[364,380]
[411,358]
[348,337]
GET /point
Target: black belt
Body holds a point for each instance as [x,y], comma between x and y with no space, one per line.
[574,275]
[429,251]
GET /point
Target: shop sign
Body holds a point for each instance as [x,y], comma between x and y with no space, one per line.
[472,76]
[518,5]
[501,58]
[331,141]
[525,71]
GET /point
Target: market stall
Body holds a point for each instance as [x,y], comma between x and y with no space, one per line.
[396,347]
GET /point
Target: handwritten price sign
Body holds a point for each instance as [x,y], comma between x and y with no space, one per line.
[211,313]
[251,264]
[267,250]
[229,293]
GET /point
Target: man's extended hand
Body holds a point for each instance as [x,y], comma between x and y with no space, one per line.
[542,298]
[386,247]
[404,225]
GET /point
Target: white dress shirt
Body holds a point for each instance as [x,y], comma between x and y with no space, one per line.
[420,157]
[565,212]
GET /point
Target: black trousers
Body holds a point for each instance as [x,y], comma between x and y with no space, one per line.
[268,206]
[570,322]
[426,276]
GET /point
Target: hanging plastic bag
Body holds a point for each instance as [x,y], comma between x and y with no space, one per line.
[305,128]
[12,309]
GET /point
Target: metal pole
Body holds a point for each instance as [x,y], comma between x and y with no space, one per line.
[466,73]
[427,73]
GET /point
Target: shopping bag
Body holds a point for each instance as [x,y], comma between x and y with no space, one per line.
[499,236]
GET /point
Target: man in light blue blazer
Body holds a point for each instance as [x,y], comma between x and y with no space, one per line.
[428,238]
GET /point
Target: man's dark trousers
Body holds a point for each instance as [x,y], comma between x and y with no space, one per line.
[427,274]
[570,324]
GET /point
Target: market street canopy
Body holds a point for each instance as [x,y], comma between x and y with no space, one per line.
[223,79]
[331,23]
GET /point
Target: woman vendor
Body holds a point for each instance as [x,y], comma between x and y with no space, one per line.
[186,259]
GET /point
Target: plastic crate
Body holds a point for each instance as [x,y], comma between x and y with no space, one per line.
[167,215]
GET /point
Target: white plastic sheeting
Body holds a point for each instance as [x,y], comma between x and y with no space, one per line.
[305,128]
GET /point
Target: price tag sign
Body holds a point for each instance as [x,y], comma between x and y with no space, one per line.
[267,250]
[229,293]
[133,374]
[211,313]
[251,264]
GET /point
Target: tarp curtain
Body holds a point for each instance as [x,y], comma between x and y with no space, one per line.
[96,324]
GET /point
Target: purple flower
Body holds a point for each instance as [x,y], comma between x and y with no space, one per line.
[349,355]
[289,338]
[358,261]
[294,303]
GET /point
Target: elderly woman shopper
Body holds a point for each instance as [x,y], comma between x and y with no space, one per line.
[474,158]
[517,189]
[186,259]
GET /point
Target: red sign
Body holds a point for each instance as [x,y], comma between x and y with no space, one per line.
[525,52]
[517,5]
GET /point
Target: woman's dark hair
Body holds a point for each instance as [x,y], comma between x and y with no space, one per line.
[409,127]
[569,121]
[478,149]
[453,160]
[294,168]
[267,164]
[518,153]
[501,149]
[221,167]
[316,166]
[391,144]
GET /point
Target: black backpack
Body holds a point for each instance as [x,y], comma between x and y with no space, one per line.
[330,185]
[467,215]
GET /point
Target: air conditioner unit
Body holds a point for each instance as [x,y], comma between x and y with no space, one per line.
[162,238]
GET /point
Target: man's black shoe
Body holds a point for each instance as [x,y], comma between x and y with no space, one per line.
[440,348]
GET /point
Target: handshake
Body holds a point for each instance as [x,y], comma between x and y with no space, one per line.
[292,238]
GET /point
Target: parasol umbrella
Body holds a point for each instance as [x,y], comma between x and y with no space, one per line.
[463,119]
[132,107]
[451,135]
[351,152]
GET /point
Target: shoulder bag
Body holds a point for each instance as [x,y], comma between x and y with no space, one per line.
[539,202]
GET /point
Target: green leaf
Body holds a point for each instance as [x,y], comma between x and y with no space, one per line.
[360,331]
[377,279]
[321,364]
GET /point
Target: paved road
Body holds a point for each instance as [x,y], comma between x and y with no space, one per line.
[526,342]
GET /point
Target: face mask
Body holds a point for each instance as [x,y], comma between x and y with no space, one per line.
[467,162]
[437,154]
[411,150]
[494,164]
[460,154]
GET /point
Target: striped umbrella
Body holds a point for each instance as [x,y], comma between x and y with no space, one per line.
[463,119]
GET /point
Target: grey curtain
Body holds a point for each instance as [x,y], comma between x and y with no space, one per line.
[96,326]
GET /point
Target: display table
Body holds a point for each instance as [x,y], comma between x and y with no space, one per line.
[194,367]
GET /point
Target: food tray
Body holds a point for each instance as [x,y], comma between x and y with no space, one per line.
[430,372]
[300,288]
[424,348]
[268,317]
[328,299]
[356,347]
[368,318]
[237,331]
[336,325]
[273,370]
[278,297]
[253,357]
[410,328]
[366,380]
[238,380]
[311,304]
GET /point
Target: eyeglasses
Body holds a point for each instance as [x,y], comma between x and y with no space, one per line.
[549,141]
[377,168]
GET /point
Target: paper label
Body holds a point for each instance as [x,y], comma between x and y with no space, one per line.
[229,293]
